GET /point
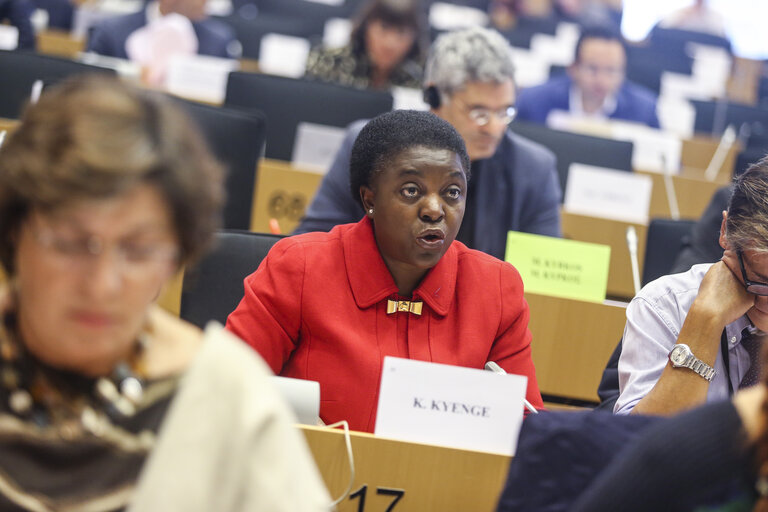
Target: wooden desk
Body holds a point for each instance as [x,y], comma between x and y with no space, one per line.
[8,125]
[282,192]
[572,341]
[693,195]
[697,153]
[432,478]
[614,234]
[59,43]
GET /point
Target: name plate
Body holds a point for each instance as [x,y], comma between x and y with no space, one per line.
[9,37]
[608,193]
[199,77]
[283,55]
[316,146]
[558,267]
[450,406]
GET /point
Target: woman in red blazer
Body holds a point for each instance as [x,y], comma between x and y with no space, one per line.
[329,306]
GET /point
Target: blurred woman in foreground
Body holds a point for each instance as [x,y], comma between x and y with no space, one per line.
[104,192]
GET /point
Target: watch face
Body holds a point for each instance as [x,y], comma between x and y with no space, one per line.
[678,355]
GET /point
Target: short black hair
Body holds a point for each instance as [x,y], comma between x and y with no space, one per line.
[394,132]
[606,32]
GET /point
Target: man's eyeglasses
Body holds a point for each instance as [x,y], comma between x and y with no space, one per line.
[753,287]
[482,116]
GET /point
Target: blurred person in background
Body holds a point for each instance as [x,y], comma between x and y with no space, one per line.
[387,45]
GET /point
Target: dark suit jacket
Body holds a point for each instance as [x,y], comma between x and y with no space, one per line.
[108,37]
[633,102]
[517,190]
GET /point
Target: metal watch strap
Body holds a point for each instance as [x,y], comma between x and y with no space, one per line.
[700,367]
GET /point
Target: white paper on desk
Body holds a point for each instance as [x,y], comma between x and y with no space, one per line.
[336,32]
[302,395]
[552,50]
[676,115]
[653,150]
[283,55]
[450,406]
[9,37]
[445,16]
[408,98]
[315,146]
[608,193]
[199,77]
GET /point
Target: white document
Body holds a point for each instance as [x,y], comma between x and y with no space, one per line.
[199,77]
[9,37]
[302,395]
[283,55]
[315,146]
[407,98]
[608,193]
[530,70]
[336,32]
[450,406]
[445,16]
[653,150]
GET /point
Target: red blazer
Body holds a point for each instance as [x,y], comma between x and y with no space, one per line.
[316,309]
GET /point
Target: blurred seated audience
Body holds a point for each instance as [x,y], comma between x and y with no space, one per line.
[163,28]
[595,85]
[386,48]
[504,15]
[694,337]
[589,12]
[105,399]
[469,82]
[17,14]
[698,17]
[329,307]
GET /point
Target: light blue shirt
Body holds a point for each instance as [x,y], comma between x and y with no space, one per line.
[654,319]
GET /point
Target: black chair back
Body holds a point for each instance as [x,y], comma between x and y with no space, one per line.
[573,147]
[288,101]
[19,71]
[212,289]
[713,117]
[237,139]
[663,243]
[250,31]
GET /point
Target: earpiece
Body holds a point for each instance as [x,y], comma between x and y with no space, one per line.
[432,97]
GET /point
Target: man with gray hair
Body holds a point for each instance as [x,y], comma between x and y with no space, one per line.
[696,337]
[469,82]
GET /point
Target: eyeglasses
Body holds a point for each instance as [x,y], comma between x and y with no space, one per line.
[79,252]
[481,116]
[753,287]
[613,72]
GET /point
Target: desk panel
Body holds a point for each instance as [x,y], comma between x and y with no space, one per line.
[432,478]
[572,341]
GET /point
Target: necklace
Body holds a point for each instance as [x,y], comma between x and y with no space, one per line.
[69,401]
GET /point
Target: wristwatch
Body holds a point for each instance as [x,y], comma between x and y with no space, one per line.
[681,357]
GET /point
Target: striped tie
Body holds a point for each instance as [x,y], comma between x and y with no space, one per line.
[752,343]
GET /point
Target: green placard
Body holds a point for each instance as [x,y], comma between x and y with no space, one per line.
[560,268]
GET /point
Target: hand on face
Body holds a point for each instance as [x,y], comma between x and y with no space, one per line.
[722,291]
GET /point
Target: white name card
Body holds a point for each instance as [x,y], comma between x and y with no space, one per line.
[336,32]
[654,150]
[315,146]
[407,98]
[447,16]
[9,37]
[450,406]
[199,77]
[283,55]
[608,193]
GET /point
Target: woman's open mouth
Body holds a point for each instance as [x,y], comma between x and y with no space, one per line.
[431,239]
